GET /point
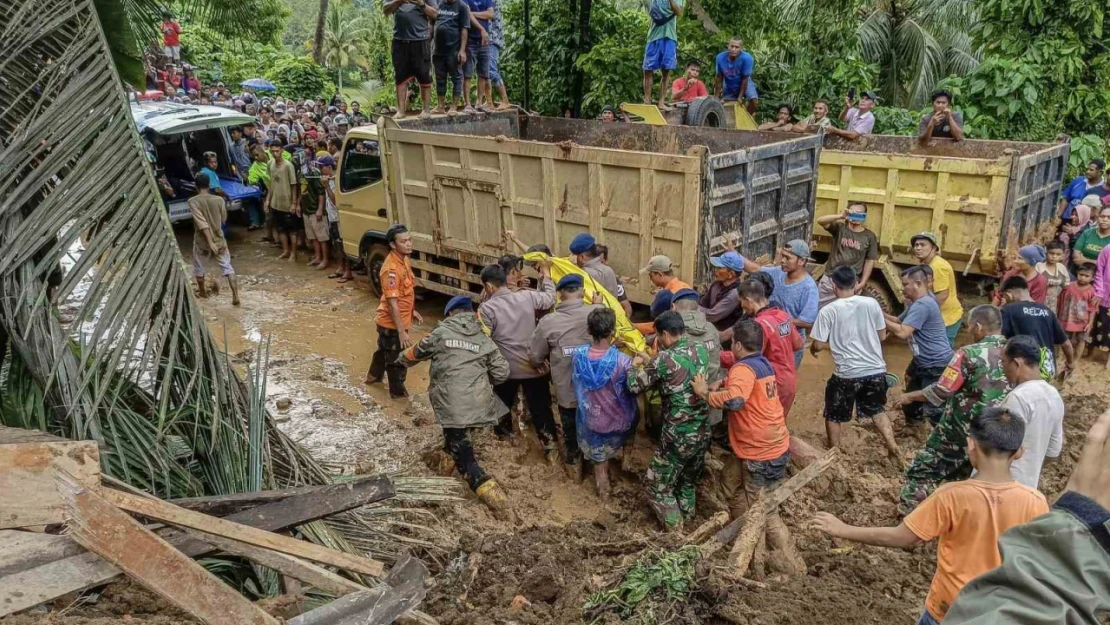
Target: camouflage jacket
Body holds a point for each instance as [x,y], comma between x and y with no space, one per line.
[972,381]
[685,415]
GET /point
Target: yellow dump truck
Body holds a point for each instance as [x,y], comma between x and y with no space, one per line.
[460,182]
[981,198]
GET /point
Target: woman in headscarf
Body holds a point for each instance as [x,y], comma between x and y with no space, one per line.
[606,415]
[1079,221]
[1025,265]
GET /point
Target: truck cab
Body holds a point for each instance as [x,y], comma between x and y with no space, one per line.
[361,201]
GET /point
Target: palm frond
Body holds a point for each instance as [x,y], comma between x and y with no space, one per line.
[876,37]
[924,60]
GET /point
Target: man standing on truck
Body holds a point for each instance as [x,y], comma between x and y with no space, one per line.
[412,41]
[510,318]
[478,53]
[858,119]
[557,338]
[923,326]
[396,313]
[943,122]
[852,245]
[734,75]
[452,30]
[661,52]
[927,251]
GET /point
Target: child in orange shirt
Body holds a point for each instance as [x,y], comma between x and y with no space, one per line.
[967,517]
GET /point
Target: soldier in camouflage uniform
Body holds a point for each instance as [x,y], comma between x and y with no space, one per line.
[971,382]
[679,460]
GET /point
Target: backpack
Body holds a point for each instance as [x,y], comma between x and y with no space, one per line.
[660,17]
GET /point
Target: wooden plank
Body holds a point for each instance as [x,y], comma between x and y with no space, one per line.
[9,436]
[377,487]
[29,588]
[296,568]
[402,591]
[20,551]
[119,539]
[165,512]
[27,494]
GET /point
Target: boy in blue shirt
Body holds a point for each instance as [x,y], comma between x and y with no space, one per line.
[734,75]
[661,52]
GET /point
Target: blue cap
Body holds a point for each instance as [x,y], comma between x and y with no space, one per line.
[459,301]
[582,243]
[325,161]
[728,260]
[569,281]
[685,294]
[661,303]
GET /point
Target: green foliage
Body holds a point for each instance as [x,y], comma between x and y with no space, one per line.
[300,78]
[610,82]
[1084,149]
[655,581]
[345,40]
[207,50]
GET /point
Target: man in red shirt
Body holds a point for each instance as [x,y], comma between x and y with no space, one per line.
[780,336]
[171,37]
[757,432]
[689,87]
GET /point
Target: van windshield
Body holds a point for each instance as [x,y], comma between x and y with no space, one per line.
[180,156]
[361,165]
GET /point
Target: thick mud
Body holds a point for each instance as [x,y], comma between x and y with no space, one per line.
[564,544]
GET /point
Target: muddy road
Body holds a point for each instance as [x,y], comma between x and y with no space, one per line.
[565,546]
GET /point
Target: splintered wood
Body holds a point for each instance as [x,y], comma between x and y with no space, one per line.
[159,510]
[27,462]
[109,532]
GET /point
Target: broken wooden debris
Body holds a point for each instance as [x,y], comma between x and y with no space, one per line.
[403,590]
[100,527]
[20,551]
[31,587]
[27,462]
[294,567]
[222,505]
[159,510]
[729,532]
[744,548]
[707,529]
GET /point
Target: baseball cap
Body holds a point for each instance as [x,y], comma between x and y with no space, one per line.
[340,120]
[928,236]
[728,260]
[685,294]
[871,95]
[459,301]
[325,161]
[1091,200]
[658,264]
[798,248]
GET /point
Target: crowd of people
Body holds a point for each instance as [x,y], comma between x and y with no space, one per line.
[721,368]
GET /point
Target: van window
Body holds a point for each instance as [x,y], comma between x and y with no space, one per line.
[362,165]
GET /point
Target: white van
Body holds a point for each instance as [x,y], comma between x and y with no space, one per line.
[177,135]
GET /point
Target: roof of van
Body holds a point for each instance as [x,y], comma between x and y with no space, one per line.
[170,118]
[368,132]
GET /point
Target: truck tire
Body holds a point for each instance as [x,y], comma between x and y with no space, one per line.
[877,290]
[373,258]
[707,111]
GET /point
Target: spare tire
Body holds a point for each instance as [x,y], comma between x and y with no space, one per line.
[706,111]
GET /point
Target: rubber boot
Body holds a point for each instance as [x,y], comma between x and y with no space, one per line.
[233,282]
[495,499]
[201,291]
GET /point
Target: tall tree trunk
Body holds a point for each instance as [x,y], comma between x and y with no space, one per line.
[584,10]
[318,39]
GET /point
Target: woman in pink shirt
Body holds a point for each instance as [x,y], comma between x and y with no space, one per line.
[1100,335]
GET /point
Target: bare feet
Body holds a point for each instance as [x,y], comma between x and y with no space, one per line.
[399,115]
[425,114]
[322,265]
[283,256]
[451,112]
[438,110]
[293,258]
[313,262]
[504,106]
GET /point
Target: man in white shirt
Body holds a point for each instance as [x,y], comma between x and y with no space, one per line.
[1038,403]
[852,327]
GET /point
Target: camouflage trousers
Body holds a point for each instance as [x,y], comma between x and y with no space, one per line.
[672,479]
[942,459]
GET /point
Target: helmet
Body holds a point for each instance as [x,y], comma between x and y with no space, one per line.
[340,120]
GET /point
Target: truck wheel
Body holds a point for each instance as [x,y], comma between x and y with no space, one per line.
[878,291]
[373,258]
[707,111]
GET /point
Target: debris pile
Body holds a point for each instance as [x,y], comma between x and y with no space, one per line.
[65,528]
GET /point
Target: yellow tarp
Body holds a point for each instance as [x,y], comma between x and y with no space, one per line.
[633,340]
